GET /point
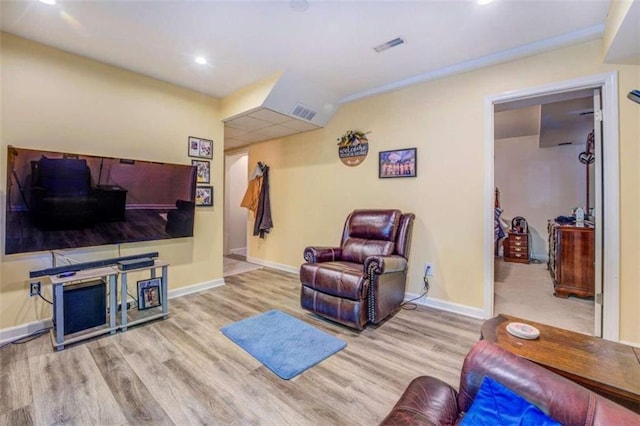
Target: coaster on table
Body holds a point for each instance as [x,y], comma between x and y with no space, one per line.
[524,331]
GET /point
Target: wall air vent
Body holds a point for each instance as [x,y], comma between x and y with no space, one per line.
[388,45]
[303,112]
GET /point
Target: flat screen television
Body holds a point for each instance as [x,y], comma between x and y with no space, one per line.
[58,200]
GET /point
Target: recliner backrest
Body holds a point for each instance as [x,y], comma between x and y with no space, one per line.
[370,233]
[62,177]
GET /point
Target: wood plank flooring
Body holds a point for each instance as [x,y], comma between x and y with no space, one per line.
[183,371]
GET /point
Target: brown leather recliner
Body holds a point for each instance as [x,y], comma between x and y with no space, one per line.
[364,279]
[430,401]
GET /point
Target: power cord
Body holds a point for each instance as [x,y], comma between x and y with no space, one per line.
[408,305]
[43,298]
[27,338]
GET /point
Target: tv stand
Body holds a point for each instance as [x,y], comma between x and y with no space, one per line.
[128,315]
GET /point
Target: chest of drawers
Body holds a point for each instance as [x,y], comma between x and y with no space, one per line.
[571,259]
[517,247]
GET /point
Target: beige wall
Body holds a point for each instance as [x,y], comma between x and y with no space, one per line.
[57,101]
[538,184]
[312,191]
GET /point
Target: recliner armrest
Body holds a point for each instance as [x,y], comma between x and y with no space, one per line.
[385,264]
[426,401]
[322,254]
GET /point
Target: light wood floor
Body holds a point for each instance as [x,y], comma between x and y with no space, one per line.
[184,371]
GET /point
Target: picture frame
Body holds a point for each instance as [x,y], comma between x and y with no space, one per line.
[203,171]
[149,294]
[398,163]
[204,196]
[200,148]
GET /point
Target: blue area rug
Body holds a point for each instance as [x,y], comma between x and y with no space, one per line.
[284,344]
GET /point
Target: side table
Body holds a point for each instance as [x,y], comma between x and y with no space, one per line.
[607,368]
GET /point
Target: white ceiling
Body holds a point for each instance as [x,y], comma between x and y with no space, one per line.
[560,119]
[330,43]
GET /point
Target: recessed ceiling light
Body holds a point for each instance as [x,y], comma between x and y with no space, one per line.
[49,2]
[483,2]
[201,60]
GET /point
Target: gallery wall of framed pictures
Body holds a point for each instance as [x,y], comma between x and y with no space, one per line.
[203,150]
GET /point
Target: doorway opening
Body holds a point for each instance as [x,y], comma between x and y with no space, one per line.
[606,271]
[235,217]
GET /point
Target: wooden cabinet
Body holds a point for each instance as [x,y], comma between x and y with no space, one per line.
[571,259]
[517,247]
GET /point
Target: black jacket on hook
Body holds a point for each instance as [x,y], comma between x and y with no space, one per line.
[263,223]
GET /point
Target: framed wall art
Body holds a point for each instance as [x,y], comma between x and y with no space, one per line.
[200,148]
[149,293]
[204,196]
[203,170]
[398,163]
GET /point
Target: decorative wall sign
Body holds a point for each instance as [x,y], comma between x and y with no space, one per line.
[353,147]
[200,148]
[398,163]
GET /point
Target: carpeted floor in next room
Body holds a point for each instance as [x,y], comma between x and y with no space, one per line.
[526,291]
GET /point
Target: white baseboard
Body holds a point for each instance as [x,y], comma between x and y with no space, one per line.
[273,265]
[242,251]
[442,305]
[634,344]
[540,258]
[195,288]
[23,330]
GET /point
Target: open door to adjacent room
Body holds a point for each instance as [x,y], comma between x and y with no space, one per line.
[545,176]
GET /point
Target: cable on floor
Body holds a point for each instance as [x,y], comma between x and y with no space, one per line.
[408,305]
[27,338]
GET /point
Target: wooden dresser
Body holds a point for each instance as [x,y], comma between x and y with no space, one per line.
[517,247]
[571,259]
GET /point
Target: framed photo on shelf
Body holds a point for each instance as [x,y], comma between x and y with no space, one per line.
[200,148]
[398,163]
[204,196]
[149,293]
[203,170]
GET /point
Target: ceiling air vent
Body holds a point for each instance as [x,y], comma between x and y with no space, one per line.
[388,45]
[303,112]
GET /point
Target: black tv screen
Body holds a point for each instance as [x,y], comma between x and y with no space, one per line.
[59,200]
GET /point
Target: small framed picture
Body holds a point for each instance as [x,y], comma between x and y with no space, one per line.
[200,148]
[398,163]
[204,196]
[149,293]
[203,170]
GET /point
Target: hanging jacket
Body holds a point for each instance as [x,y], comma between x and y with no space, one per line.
[263,223]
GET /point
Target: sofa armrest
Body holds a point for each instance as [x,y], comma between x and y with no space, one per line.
[322,254]
[426,401]
[385,264]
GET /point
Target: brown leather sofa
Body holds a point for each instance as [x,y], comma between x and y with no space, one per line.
[363,280]
[430,401]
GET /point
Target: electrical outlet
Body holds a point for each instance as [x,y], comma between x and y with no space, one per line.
[428,270]
[34,290]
